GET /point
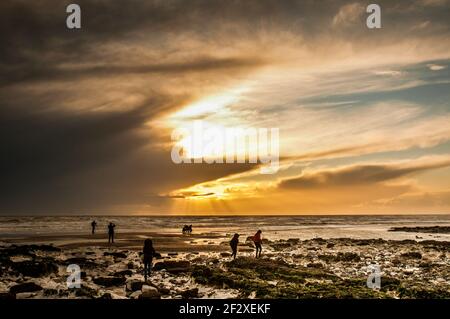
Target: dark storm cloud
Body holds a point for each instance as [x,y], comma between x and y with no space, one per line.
[53,162]
[57,159]
[357,175]
[35,41]
[12,75]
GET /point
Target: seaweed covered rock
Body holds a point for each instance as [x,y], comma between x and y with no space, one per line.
[35,268]
[346,257]
[134,285]
[115,254]
[190,293]
[423,293]
[109,281]
[82,262]
[85,291]
[426,229]
[123,273]
[25,287]
[266,278]
[27,250]
[412,255]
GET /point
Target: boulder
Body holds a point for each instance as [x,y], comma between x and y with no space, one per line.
[346,257]
[214,261]
[149,292]
[123,273]
[25,295]
[28,250]
[190,293]
[81,261]
[35,268]
[25,287]
[315,265]
[85,291]
[173,266]
[109,281]
[50,292]
[115,254]
[164,290]
[135,295]
[134,285]
[412,255]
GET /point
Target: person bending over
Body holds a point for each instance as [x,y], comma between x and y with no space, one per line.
[148,252]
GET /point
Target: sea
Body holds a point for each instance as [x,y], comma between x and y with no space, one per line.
[273,227]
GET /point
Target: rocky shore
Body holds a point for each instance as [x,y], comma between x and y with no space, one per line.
[293,268]
[428,229]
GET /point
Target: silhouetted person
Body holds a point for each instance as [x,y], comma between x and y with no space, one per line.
[234,245]
[149,253]
[258,241]
[111,227]
[93,225]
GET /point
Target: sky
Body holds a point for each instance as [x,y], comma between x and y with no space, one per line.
[87,115]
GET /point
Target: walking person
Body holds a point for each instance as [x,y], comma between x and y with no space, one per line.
[257,239]
[111,227]
[93,225]
[234,245]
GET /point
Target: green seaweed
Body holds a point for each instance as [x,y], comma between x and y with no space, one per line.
[255,275]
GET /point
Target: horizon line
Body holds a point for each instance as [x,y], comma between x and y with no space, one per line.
[226,215]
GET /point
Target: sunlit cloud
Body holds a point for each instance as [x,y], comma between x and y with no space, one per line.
[436,67]
[362,174]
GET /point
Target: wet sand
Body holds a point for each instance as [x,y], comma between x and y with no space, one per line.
[131,240]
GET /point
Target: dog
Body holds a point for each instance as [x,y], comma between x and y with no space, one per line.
[187,229]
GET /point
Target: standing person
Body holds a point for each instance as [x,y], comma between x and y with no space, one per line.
[258,241]
[234,244]
[111,227]
[93,225]
[149,253]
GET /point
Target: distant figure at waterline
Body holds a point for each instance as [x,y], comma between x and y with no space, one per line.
[93,225]
[111,227]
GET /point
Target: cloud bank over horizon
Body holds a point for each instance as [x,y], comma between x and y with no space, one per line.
[86,115]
